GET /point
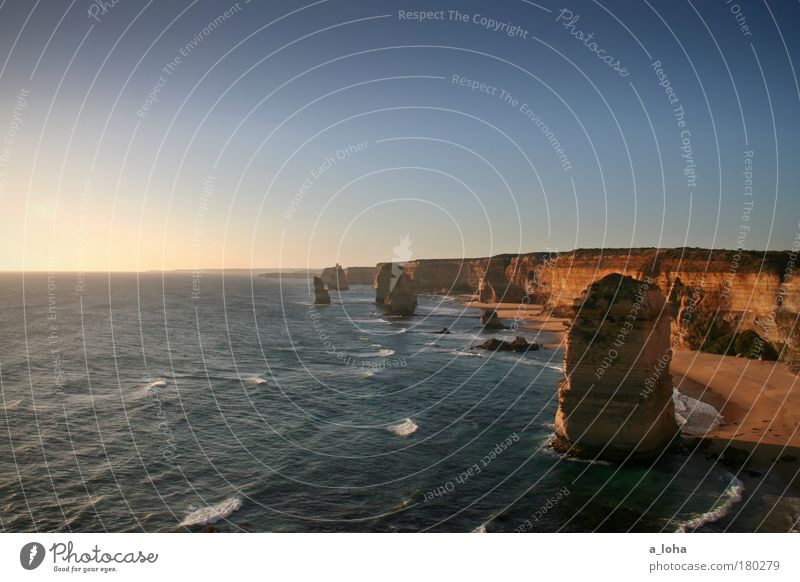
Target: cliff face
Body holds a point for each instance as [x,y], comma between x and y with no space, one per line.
[446,275]
[360,275]
[616,400]
[711,292]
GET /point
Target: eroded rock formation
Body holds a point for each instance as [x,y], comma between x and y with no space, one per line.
[519,344]
[335,278]
[490,320]
[395,290]
[616,400]
[321,295]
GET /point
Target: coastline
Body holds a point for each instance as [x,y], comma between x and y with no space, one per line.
[758,400]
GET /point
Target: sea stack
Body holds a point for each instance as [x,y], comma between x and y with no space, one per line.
[335,278]
[382,282]
[490,320]
[401,298]
[616,400]
[321,295]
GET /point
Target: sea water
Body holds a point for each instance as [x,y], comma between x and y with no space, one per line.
[150,402]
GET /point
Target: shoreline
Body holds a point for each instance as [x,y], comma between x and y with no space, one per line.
[759,401]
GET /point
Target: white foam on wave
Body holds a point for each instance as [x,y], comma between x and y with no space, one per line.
[371,320]
[731,496]
[258,381]
[693,416]
[151,388]
[405,428]
[382,353]
[12,405]
[213,513]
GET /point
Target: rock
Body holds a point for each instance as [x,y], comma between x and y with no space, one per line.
[402,296]
[520,345]
[616,400]
[321,295]
[335,278]
[383,281]
[490,320]
[443,331]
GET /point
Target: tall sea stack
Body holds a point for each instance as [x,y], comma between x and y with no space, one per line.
[616,400]
[321,295]
[395,290]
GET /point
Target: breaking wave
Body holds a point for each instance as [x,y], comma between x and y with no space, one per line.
[731,496]
[405,428]
[693,416]
[213,513]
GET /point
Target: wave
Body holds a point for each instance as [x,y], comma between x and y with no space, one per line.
[473,353]
[13,404]
[547,450]
[731,496]
[370,320]
[257,381]
[148,390]
[405,428]
[382,353]
[213,513]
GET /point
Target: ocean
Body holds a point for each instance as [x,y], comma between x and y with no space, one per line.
[165,403]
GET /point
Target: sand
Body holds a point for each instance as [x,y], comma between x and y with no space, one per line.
[759,402]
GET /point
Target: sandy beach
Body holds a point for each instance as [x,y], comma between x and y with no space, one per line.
[759,401]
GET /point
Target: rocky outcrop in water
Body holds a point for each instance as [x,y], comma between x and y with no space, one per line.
[519,345]
[616,400]
[321,295]
[490,320]
[335,278]
[401,296]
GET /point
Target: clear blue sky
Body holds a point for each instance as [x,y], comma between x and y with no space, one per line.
[225,163]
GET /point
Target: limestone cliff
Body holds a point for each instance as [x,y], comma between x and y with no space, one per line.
[616,400]
[360,275]
[441,275]
[712,292]
[335,278]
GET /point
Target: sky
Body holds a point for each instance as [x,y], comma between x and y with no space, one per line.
[192,134]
